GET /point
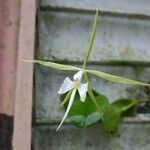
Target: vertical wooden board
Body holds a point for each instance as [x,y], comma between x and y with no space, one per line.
[23,102]
[9,19]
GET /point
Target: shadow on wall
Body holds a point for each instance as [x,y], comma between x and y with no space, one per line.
[6,129]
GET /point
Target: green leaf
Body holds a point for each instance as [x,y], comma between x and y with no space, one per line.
[111,120]
[85,114]
[117,79]
[126,106]
[86,110]
[92,36]
[92,118]
[54,65]
[113,113]
[103,103]
[78,120]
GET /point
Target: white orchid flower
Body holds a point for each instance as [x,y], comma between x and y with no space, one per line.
[75,86]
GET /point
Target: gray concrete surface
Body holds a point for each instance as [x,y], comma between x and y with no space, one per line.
[122,39]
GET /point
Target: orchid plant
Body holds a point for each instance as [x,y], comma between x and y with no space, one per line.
[72,90]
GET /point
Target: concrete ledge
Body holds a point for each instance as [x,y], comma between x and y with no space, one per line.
[113,8]
[132,137]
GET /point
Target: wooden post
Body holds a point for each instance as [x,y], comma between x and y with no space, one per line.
[9,23]
[23,99]
[9,14]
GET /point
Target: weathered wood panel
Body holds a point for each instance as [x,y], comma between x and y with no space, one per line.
[64,37]
[122,37]
[9,19]
[48,82]
[133,137]
[23,102]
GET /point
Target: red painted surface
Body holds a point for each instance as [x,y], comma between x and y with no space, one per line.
[17,28]
[9,27]
[9,19]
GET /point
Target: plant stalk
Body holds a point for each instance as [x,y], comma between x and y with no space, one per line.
[66,98]
[143,101]
[90,92]
[91,41]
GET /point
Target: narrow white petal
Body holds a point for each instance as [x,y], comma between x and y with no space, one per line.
[68,108]
[66,86]
[78,75]
[83,88]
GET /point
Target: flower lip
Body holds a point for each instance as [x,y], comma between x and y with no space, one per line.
[78,75]
[82,89]
[68,108]
[76,84]
[66,86]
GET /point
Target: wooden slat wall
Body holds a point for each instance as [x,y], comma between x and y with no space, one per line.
[121,47]
[47,83]
[117,39]
[92,138]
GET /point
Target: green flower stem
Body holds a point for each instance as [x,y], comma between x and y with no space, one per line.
[143,101]
[90,92]
[136,103]
[125,109]
[91,41]
[66,98]
[88,50]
